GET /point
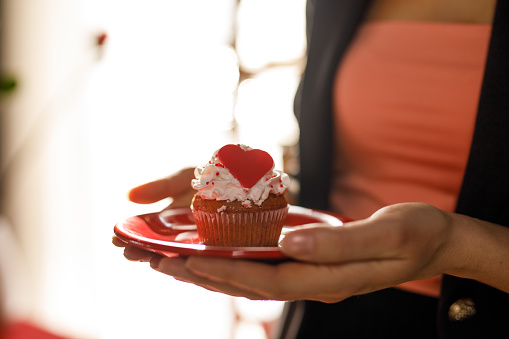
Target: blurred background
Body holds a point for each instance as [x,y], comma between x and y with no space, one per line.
[98,96]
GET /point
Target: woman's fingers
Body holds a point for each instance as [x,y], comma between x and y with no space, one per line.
[358,240]
[176,267]
[172,186]
[176,186]
[286,281]
[132,253]
[291,280]
[248,276]
[118,242]
[400,232]
[137,254]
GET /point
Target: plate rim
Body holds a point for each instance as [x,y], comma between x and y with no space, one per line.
[174,248]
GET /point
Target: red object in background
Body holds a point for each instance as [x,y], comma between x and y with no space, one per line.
[101,39]
[23,330]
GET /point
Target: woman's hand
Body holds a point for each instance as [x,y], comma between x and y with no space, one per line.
[176,186]
[398,243]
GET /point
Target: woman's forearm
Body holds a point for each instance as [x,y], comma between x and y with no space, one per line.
[478,250]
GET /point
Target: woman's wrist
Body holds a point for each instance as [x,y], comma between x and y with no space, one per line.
[478,250]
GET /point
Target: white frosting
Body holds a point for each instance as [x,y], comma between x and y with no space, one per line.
[214,181]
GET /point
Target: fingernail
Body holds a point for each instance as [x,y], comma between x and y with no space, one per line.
[297,244]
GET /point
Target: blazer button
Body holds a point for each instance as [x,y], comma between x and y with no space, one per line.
[462,309]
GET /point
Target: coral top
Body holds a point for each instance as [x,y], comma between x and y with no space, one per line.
[405,102]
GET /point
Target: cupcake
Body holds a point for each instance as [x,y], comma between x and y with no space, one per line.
[240,199]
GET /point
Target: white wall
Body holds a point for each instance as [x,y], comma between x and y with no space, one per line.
[86,123]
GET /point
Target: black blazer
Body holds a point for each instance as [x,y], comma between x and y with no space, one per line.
[485,191]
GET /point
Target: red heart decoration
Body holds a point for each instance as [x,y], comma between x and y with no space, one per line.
[248,166]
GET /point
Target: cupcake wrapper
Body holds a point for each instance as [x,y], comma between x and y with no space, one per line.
[260,229]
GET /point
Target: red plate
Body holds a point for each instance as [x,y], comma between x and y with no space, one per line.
[173,232]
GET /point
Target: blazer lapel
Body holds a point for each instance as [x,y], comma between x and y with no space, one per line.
[331,27]
[485,189]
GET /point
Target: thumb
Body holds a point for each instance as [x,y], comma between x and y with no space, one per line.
[303,243]
[356,240]
[172,186]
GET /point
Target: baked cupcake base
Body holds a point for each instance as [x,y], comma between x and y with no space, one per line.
[231,224]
